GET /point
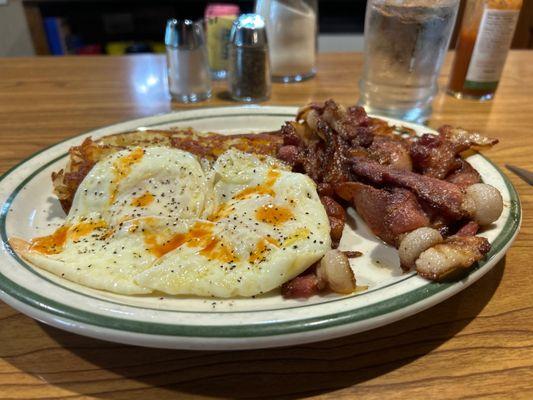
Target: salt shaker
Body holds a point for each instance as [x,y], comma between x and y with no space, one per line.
[249,64]
[188,69]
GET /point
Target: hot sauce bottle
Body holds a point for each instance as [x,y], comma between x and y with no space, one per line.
[484,41]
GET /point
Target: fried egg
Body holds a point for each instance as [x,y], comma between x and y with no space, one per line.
[267,227]
[125,196]
[158,219]
[90,253]
[134,183]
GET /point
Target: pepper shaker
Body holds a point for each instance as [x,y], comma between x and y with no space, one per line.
[188,69]
[249,63]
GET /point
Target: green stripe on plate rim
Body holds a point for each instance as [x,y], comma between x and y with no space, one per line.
[387,306]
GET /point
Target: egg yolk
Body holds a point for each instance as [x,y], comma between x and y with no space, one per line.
[143,201]
[54,243]
[273,215]
[84,228]
[200,235]
[51,244]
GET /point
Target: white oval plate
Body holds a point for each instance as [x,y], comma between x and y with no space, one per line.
[29,209]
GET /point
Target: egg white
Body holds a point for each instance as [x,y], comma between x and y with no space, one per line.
[109,258]
[106,263]
[162,221]
[299,241]
[174,178]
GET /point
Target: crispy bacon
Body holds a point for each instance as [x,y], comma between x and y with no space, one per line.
[464,139]
[438,155]
[348,123]
[289,154]
[323,161]
[389,214]
[303,286]
[468,229]
[390,151]
[396,181]
[434,156]
[333,158]
[337,218]
[464,176]
[445,196]
[450,259]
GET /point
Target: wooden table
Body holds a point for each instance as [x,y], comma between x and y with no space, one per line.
[477,344]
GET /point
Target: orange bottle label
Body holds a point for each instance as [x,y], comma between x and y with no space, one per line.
[491,47]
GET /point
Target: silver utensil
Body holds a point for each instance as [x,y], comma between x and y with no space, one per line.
[522,173]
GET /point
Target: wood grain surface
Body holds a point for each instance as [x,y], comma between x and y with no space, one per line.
[478,344]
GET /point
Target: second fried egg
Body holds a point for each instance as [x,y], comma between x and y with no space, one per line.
[268,225]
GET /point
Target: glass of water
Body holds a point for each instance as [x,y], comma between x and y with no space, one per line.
[292,37]
[405,45]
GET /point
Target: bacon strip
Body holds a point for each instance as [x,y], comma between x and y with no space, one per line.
[390,151]
[337,218]
[388,214]
[449,259]
[469,229]
[303,286]
[434,156]
[464,139]
[396,182]
[439,155]
[445,196]
[465,176]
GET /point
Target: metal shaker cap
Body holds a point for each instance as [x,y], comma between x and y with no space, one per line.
[184,34]
[249,30]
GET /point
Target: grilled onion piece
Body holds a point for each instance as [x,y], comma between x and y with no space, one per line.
[484,203]
[334,269]
[414,243]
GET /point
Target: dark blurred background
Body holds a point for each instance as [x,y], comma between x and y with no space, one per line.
[41,27]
